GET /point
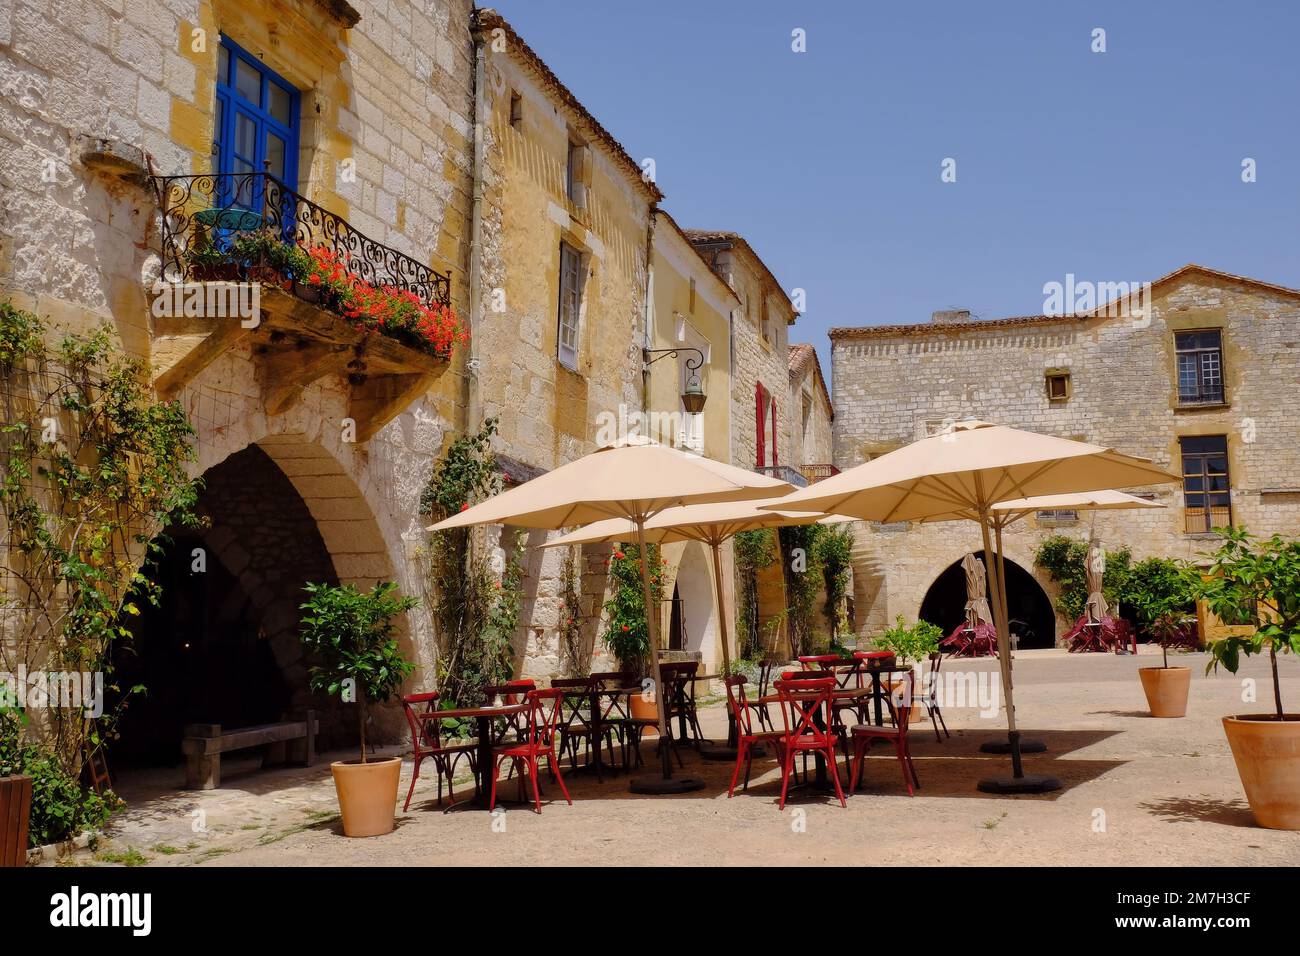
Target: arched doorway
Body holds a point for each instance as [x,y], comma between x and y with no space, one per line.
[221,646]
[694,603]
[1033,622]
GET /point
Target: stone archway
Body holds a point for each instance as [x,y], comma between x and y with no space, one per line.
[1028,605]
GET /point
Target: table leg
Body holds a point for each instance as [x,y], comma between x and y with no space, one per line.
[877,691]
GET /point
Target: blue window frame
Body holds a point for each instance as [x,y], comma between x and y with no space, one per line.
[256,118]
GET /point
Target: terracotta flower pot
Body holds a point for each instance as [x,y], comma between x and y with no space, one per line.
[15,813]
[367,794]
[645,710]
[1166,689]
[1267,751]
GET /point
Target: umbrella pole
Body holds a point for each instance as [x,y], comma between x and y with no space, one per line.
[665,783]
[1019,781]
[729,751]
[1021,746]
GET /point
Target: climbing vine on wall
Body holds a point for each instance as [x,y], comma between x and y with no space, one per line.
[91,467]
[834,548]
[475,604]
[801,560]
[754,551]
[575,653]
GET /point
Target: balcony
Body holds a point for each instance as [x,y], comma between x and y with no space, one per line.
[783,473]
[816,473]
[329,300]
[1193,395]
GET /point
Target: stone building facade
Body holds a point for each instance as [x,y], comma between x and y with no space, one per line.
[369,110]
[1197,373]
[811,432]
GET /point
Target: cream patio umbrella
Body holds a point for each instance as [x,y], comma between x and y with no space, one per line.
[709,524]
[634,480]
[963,473]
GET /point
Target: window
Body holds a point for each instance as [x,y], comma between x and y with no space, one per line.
[764,427]
[1206,497]
[691,308]
[570,305]
[1057,514]
[764,325]
[574,183]
[256,120]
[1058,386]
[1200,367]
[516,110]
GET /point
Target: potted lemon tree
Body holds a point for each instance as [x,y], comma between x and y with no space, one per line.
[1256,581]
[358,658]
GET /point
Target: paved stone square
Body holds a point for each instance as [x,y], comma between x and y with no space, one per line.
[1137,790]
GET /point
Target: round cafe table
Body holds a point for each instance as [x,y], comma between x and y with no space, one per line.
[486,757]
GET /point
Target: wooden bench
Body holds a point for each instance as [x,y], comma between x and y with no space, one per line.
[203,745]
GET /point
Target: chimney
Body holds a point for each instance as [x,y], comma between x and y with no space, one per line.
[949,316]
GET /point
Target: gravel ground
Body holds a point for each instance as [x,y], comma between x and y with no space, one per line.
[1136,791]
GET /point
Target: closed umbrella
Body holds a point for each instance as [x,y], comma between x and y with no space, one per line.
[635,481]
[964,473]
[977,605]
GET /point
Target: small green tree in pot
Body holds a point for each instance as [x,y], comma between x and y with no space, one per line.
[358,658]
[626,631]
[910,644]
[1256,582]
[1159,592]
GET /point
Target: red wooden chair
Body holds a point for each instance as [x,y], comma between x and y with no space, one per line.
[865,734]
[746,738]
[511,692]
[543,714]
[805,732]
[427,743]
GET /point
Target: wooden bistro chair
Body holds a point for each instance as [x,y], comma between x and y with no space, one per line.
[746,737]
[929,698]
[574,726]
[615,712]
[865,734]
[544,707]
[427,743]
[679,686]
[803,734]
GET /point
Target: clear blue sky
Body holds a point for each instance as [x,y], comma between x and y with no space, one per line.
[1118,166]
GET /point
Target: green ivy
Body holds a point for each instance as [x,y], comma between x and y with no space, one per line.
[803,582]
[476,612]
[1066,559]
[835,554]
[754,551]
[90,468]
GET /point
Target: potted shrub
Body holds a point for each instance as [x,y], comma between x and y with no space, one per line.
[1159,592]
[1166,687]
[358,657]
[626,633]
[909,644]
[1258,582]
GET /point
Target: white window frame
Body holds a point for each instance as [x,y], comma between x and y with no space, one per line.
[568,340]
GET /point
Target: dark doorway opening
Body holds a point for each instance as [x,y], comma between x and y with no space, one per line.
[1032,619]
[221,646]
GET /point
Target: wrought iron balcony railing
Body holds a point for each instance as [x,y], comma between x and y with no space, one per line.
[1201,394]
[784,473]
[202,214]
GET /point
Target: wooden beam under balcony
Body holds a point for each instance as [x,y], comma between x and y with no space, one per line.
[195,344]
[381,398]
[285,370]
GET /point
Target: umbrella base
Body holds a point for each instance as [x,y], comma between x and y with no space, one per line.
[715,751]
[1029,783]
[1004,747]
[665,785]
